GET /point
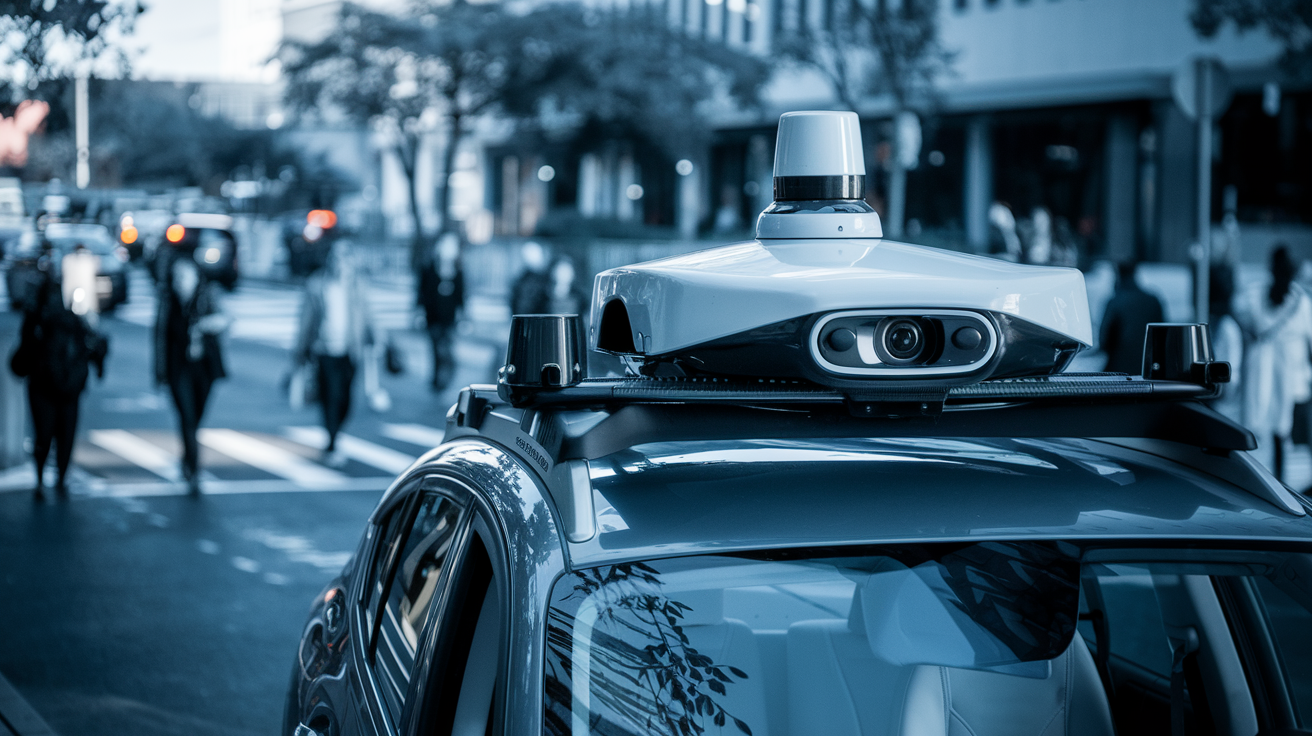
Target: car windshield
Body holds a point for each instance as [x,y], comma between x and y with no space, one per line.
[97,243]
[791,643]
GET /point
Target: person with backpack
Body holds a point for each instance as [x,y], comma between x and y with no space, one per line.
[55,352]
[187,353]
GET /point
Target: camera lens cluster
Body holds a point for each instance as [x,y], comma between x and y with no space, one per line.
[904,340]
[875,342]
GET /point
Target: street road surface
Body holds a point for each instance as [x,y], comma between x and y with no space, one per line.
[131,608]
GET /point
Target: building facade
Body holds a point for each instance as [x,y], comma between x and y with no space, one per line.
[1060,110]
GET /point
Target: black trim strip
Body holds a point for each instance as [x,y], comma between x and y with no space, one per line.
[790,188]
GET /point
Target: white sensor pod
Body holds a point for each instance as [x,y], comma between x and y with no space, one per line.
[819,180]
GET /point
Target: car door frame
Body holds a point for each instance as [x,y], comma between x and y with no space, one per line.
[522,517]
[478,519]
[368,696]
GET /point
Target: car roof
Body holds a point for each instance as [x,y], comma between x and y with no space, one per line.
[678,498]
[205,221]
[75,230]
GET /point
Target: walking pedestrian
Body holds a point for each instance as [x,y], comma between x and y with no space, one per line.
[1126,320]
[55,352]
[564,294]
[442,296]
[188,357]
[528,295]
[335,336]
[1277,323]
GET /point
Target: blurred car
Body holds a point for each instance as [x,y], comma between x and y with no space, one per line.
[40,252]
[206,237]
[141,227]
[307,236]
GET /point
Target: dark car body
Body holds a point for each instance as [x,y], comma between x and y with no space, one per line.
[208,239]
[29,259]
[471,603]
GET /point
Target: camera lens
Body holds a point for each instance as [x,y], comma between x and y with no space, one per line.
[904,340]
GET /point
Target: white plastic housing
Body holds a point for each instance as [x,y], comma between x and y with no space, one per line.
[818,225]
[819,143]
[687,300]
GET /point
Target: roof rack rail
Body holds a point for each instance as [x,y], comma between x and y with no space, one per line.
[620,414]
[874,400]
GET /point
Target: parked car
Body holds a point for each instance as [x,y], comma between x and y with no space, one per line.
[39,252]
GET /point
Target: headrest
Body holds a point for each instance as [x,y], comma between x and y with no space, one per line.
[705,607]
[910,617]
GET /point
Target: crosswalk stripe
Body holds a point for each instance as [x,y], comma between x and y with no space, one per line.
[421,435]
[99,489]
[270,458]
[137,451]
[369,453]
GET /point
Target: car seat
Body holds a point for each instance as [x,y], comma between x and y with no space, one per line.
[728,643]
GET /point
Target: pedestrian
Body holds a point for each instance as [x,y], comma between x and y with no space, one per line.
[335,337]
[442,296]
[1004,241]
[1277,323]
[1125,322]
[55,352]
[188,357]
[564,293]
[528,295]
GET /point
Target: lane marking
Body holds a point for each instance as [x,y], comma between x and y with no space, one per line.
[421,435]
[153,489]
[271,458]
[369,453]
[299,549]
[139,452]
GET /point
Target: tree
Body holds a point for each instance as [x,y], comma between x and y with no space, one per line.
[460,61]
[629,69]
[404,73]
[879,47]
[42,40]
[1288,21]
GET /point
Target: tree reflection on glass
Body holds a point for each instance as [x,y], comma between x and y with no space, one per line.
[644,676]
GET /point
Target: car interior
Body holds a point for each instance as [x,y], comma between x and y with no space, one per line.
[1189,642]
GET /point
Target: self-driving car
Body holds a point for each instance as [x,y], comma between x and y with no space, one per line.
[845,487]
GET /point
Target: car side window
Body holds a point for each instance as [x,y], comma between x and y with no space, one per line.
[1134,621]
[1291,624]
[462,684]
[413,583]
[389,536]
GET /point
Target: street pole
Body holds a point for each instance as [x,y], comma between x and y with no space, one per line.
[1203,80]
[82,133]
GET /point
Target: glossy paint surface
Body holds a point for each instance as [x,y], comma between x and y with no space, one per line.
[680,498]
[687,300]
[533,553]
